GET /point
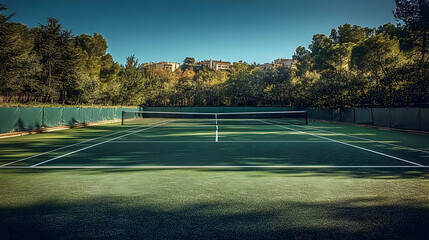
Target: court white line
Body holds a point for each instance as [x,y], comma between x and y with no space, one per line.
[209,166]
[217,135]
[367,139]
[220,141]
[347,144]
[67,146]
[79,150]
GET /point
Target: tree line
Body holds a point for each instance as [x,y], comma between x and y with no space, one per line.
[353,66]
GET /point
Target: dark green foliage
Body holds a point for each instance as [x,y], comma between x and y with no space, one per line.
[354,66]
[131,82]
[59,60]
[18,65]
[188,63]
[415,15]
[350,34]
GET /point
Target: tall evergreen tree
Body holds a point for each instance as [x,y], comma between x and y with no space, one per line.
[415,15]
[60,62]
[18,66]
[188,63]
[132,83]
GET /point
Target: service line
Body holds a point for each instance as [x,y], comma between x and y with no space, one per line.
[347,144]
[109,140]
[67,146]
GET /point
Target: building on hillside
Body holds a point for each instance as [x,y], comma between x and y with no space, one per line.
[214,64]
[265,66]
[283,62]
[280,62]
[169,66]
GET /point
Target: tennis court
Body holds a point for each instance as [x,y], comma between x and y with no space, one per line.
[244,143]
[165,178]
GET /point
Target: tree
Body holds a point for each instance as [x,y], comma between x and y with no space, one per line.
[99,69]
[132,83]
[18,65]
[389,29]
[350,34]
[340,57]
[209,87]
[238,90]
[321,51]
[415,15]
[301,54]
[94,48]
[303,57]
[188,63]
[379,55]
[60,62]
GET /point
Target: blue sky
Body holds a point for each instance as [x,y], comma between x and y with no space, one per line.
[250,30]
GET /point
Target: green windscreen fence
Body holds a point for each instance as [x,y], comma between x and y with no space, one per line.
[381,117]
[118,111]
[31,118]
[424,119]
[86,115]
[9,119]
[23,119]
[363,116]
[347,115]
[401,118]
[330,114]
[405,118]
[313,113]
[53,116]
[71,116]
[107,114]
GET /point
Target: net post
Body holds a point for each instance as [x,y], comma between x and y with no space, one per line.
[306,118]
[122,118]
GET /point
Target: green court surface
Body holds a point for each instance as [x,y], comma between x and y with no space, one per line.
[166,179]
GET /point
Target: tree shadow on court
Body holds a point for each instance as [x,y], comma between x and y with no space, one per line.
[118,217]
[11,149]
[369,173]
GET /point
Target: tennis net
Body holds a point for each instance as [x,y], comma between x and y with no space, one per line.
[233,118]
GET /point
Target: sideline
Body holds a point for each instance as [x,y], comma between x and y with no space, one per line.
[347,144]
[67,146]
[90,146]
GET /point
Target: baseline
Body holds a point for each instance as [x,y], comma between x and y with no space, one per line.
[168,141]
[207,167]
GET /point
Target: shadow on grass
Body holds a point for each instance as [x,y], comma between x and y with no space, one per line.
[132,218]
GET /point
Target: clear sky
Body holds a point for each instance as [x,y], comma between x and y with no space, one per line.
[232,30]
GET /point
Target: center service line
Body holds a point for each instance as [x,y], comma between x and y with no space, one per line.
[217,134]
